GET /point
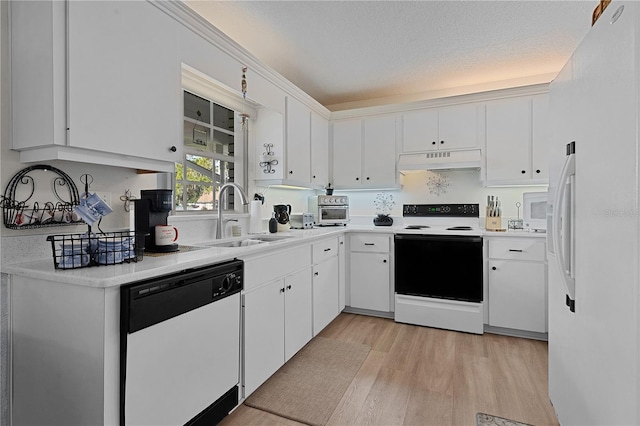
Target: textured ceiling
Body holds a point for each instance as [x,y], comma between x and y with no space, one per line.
[346,52]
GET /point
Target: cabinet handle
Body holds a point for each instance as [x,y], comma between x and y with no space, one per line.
[494,268]
[538,171]
[314,176]
[357,178]
[523,172]
[282,290]
[369,244]
[367,177]
[327,249]
[341,242]
[516,250]
[290,172]
[433,143]
[289,287]
[173,148]
[315,273]
[441,142]
[384,261]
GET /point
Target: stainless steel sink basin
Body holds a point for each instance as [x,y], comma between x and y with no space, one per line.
[244,241]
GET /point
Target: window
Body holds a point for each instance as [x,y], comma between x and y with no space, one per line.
[210,141]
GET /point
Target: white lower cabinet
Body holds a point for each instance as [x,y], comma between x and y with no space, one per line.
[277,324]
[326,283]
[370,272]
[517,284]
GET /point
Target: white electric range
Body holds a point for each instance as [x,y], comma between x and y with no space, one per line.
[439,267]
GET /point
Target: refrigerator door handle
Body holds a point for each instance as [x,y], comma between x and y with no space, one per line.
[563,225]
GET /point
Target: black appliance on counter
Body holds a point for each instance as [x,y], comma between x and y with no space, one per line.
[151,210]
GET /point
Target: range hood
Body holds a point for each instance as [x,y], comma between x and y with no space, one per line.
[440,160]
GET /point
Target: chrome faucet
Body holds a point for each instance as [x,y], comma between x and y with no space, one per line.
[243,200]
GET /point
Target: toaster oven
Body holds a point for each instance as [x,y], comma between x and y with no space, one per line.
[330,210]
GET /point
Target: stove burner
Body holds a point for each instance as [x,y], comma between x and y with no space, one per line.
[460,228]
[417,227]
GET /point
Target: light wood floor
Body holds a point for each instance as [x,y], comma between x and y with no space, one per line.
[426,376]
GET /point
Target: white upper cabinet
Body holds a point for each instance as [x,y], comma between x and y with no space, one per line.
[319,150]
[302,152]
[112,90]
[445,128]
[364,153]
[347,152]
[517,135]
[298,121]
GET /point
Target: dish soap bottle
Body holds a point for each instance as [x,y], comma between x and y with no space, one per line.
[273,223]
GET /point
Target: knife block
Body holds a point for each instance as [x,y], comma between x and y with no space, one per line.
[493,222]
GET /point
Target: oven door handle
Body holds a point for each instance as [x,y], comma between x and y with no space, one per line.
[436,238]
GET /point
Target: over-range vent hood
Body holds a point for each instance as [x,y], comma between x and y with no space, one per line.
[440,160]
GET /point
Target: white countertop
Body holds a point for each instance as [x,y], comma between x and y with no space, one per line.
[149,266]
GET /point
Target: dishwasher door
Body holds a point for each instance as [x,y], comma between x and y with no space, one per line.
[177,368]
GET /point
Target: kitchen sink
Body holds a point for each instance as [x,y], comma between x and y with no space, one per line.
[244,241]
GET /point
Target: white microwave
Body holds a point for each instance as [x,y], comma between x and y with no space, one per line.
[534,211]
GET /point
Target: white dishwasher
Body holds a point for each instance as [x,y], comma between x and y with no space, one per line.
[180,347]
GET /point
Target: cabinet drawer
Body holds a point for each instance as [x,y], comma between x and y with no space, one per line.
[369,243]
[324,250]
[267,268]
[517,249]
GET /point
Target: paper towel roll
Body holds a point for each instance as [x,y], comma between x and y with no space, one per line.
[255,222]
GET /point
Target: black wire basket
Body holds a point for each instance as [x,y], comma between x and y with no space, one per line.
[71,251]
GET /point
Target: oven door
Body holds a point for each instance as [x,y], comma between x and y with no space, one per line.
[439,266]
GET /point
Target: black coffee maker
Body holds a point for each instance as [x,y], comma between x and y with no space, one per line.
[153,209]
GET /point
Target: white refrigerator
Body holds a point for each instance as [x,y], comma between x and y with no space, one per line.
[594,226]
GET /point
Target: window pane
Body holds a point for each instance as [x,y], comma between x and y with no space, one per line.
[223,117]
[179,172]
[223,143]
[196,136]
[199,169]
[199,197]
[177,195]
[193,104]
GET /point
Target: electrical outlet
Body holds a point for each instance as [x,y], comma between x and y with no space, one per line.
[106,196]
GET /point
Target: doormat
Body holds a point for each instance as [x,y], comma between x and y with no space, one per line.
[489,420]
[310,385]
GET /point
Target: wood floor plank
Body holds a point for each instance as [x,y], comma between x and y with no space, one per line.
[387,401]
[429,408]
[350,406]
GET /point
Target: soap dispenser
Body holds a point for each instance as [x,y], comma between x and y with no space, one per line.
[273,223]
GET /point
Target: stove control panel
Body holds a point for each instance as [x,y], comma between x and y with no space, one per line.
[441,210]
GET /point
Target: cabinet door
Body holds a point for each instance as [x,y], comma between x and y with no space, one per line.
[379,161]
[298,141]
[325,293]
[347,152]
[540,137]
[298,326]
[420,130]
[369,280]
[517,295]
[319,150]
[263,334]
[124,93]
[508,153]
[458,126]
[342,273]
